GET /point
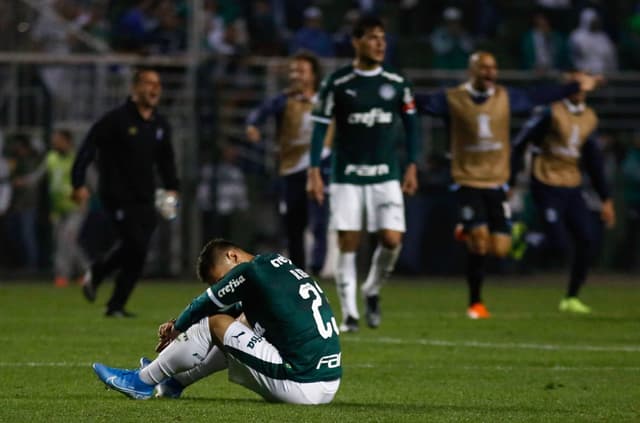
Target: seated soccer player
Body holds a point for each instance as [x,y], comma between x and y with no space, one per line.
[284,346]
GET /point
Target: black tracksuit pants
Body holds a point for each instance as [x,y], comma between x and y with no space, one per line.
[134,226]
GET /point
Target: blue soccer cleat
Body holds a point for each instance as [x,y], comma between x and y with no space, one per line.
[125,381]
[169,388]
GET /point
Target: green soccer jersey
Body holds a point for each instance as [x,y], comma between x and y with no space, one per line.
[368,107]
[286,307]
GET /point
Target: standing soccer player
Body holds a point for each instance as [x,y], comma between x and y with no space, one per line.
[292,110]
[130,143]
[284,346]
[366,101]
[564,134]
[478,115]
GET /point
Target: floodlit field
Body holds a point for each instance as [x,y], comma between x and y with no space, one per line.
[427,362]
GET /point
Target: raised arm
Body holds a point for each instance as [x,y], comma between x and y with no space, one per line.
[524,101]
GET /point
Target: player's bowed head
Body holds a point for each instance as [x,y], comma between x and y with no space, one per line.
[217,258]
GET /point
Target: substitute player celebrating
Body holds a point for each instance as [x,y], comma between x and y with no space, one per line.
[565,138]
[284,346]
[366,102]
[478,115]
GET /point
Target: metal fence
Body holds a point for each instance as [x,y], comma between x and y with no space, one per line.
[207,100]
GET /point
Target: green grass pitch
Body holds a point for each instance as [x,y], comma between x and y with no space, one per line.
[426,363]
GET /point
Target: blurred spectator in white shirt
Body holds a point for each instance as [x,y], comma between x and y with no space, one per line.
[591,48]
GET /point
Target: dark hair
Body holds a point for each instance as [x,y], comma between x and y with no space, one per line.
[139,71]
[312,59]
[209,256]
[364,24]
[65,133]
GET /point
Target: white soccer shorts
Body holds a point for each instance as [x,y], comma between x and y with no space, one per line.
[382,205]
[259,352]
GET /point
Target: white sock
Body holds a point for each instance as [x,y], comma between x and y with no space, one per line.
[187,351]
[346,282]
[382,264]
[215,361]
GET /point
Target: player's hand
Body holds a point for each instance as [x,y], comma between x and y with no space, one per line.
[80,195]
[315,185]
[410,180]
[253,133]
[166,334]
[588,82]
[608,214]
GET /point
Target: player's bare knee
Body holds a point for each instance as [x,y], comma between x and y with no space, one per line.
[500,245]
[390,239]
[348,241]
[478,243]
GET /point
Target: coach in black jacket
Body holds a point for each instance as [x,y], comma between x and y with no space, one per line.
[128,144]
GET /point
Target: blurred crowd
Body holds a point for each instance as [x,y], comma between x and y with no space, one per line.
[539,35]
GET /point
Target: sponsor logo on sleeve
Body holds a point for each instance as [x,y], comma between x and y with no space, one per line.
[231,286]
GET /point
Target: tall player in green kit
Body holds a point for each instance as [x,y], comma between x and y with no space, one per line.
[284,346]
[367,102]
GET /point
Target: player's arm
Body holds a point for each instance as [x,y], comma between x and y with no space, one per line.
[166,162]
[321,117]
[224,293]
[593,163]
[532,132]
[525,100]
[433,104]
[410,123]
[86,154]
[273,106]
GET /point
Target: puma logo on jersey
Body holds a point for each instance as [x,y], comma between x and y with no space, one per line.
[352,93]
[370,118]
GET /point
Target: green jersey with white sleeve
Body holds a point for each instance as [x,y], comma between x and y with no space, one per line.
[286,307]
[368,107]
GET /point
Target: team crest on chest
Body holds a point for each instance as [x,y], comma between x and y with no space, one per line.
[387,91]
[159,134]
[133,130]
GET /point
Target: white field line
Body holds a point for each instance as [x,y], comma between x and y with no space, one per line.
[504,368]
[493,345]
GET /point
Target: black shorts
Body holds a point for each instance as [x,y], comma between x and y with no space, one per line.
[484,206]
